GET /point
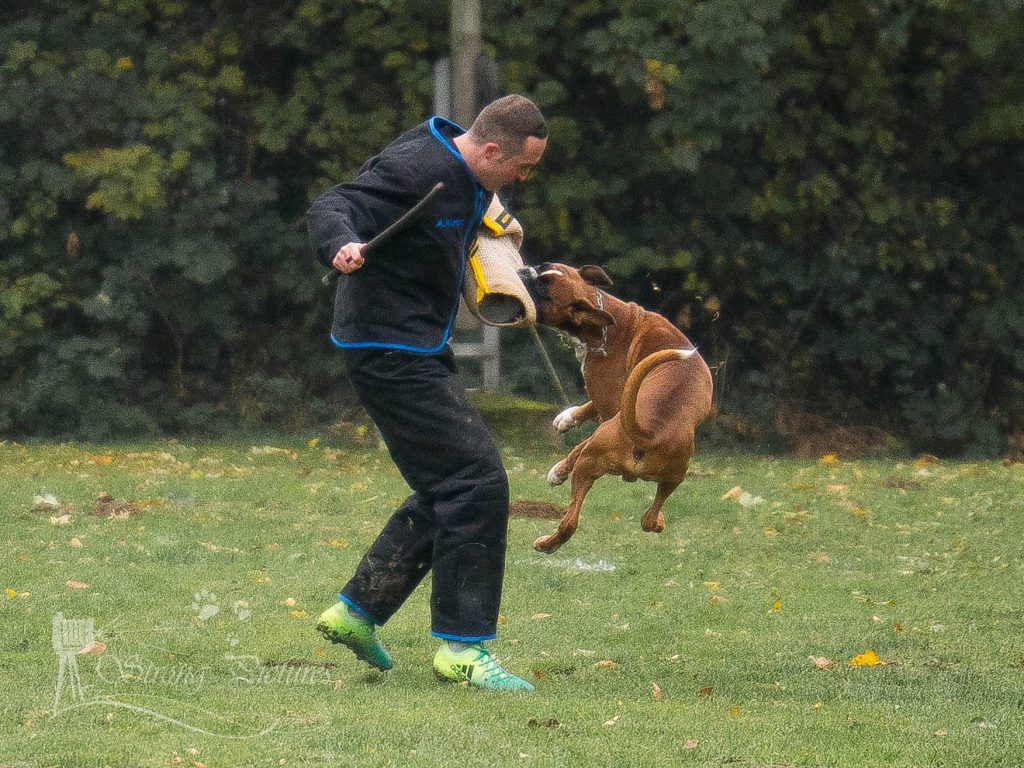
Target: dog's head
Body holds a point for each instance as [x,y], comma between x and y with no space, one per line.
[567,298]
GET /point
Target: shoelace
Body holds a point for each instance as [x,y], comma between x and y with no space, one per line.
[491,666]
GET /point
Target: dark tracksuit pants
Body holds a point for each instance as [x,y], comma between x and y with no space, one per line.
[456,520]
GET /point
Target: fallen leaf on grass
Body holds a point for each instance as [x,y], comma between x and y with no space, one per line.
[64,519]
[707,691]
[605,664]
[822,662]
[540,616]
[690,744]
[717,600]
[867,659]
[613,721]
[940,734]
[733,493]
[735,710]
[76,542]
[95,648]
[828,459]
[656,691]
[75,584]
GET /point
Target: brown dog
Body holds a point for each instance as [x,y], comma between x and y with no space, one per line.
[647,385]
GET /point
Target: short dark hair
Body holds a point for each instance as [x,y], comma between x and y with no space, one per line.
[508,122]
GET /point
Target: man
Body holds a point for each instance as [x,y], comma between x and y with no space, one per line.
[393,317]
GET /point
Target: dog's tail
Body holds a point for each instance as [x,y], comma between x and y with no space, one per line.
[627,407]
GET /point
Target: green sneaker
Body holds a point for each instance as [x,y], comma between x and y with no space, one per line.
[340,625]
[476,666]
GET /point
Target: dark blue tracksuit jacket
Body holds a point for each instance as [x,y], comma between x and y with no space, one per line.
[407,293]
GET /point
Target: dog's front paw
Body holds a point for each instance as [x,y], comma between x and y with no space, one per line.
[557,475]
[566,420]
[547,544]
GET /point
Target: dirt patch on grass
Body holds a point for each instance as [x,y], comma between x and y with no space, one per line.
[107,506]
[537,510]
[300,664]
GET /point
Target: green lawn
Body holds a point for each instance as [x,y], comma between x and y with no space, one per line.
[692,647]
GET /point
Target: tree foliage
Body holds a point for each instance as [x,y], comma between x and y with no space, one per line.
[824,195]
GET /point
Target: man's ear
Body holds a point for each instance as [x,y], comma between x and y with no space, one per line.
[584,314]
[595,276]
[491,150]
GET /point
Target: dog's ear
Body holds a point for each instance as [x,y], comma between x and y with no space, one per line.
[595,276]
[586,314]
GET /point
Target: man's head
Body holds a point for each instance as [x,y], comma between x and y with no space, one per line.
[505,141]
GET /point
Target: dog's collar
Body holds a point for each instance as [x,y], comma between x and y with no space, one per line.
[603,349]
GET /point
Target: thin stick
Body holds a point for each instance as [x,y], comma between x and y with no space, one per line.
[395,227]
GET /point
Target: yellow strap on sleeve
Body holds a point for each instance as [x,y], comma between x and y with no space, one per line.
[495,228]
[478,272]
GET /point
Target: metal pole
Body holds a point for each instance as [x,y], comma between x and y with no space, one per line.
[466,47]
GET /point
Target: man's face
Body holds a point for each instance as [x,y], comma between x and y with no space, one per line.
[498,168]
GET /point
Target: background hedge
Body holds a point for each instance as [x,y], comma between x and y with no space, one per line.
[825,196]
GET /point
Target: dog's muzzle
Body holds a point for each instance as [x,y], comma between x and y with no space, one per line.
[529,277]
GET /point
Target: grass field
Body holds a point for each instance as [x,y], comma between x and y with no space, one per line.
[204,574]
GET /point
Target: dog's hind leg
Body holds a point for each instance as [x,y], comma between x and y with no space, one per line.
[654,520]
[582,482]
